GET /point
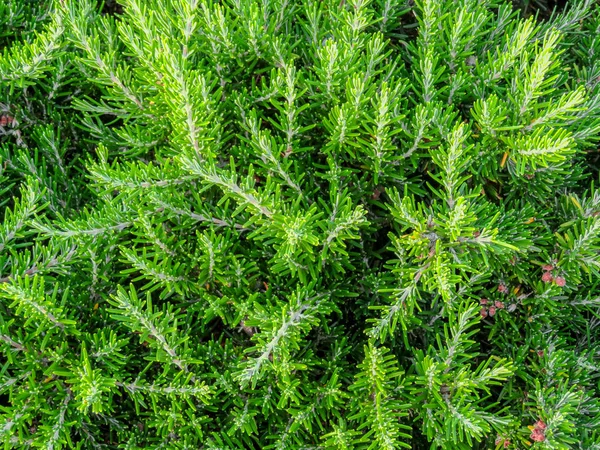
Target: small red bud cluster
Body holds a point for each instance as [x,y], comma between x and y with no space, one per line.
[488,308]
[6,120]
[547,276]
[539,432]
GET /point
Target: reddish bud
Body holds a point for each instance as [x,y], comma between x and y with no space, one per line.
[502,288]
[483,301]
[499,305]
[377,192]
[5,120]
[540,353]
[547,267]
[537,435]
[492,311]
[547,277]
[483,313]
[560,281]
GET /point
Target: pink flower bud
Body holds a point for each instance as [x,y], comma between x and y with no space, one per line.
[547,267]
[560,281]
[5,120]
[538,435]
[483,313]
[499,305]
[547,277]
[492,311]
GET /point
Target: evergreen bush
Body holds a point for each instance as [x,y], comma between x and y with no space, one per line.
[299,224]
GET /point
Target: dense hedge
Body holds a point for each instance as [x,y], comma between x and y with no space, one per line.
[299,224]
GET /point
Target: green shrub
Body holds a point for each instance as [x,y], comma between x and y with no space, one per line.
[299,224]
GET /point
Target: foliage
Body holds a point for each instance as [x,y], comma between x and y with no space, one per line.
[294,224]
